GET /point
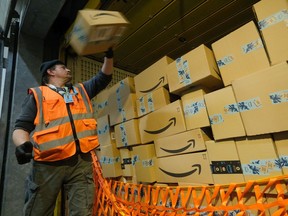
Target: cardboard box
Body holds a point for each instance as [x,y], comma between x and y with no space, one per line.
[152,101]
[122,88]
[197,67]
[105,133]
[126,161]
[96,31]
[153,77]
[240,53]
[281,145]
[165,121]
[127,133]
[262,100]
[110,161]
[258,157]
[193,167]
[100,103]
[185,142]
[144,160]
[195,110]
[225,162]
[122,109]
[272,21]
[122,101]
[224,114]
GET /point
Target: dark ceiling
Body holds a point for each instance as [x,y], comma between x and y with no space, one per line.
[158,27]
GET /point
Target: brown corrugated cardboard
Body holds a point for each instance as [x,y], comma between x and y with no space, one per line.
[281,144]
[100,103]
[152,77]
[197,67]
[240,53]
[127,133]
[224,114]
[195,110]
[262,100]
[122,88]
[185,142]
[272,19]
[110,161]
[225,162]
[95,31]
[152,101]
[122,109]
[105,133]
[193,167]
[163,122]
[258,157]
[144,160]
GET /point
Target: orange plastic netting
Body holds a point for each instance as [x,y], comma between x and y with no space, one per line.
[263,197]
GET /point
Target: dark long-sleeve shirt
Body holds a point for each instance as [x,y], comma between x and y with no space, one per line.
[28,113]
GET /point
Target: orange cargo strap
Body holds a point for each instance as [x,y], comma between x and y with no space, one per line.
[266,196]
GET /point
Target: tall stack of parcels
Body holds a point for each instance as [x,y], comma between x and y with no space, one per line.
[200,118]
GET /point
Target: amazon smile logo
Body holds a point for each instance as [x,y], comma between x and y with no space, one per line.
[172,122]
[161,80]
[190,142]
[184,174]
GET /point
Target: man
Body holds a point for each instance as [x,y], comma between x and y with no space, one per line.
[57,129]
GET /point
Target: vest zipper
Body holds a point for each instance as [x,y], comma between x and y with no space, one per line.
[73,128]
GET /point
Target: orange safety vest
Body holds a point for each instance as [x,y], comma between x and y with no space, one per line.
[57,128]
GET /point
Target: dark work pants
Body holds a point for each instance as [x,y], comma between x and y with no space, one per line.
[45,181]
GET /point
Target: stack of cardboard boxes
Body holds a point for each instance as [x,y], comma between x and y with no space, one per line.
[229,120]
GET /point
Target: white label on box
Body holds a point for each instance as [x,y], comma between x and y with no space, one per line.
[273,19]
[254,45]
[194,108]
[231,109]
[183,71]
[225,61]
[261,167]
[250,104]
[216,119]
[279,97]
